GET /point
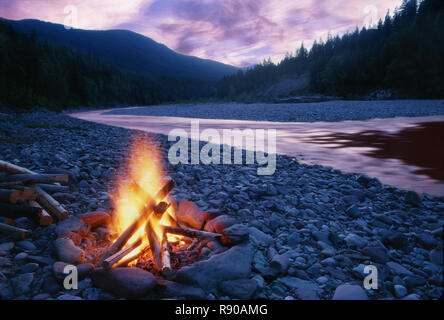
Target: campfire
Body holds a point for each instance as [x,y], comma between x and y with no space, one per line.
[145,221]
[147,229]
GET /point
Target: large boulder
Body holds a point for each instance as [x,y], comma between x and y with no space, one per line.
[234,263]
[130,283]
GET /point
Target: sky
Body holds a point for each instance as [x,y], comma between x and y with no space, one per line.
[236,32]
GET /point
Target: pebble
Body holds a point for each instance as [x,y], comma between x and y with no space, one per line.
[20,257]
[400,291]
[26,245]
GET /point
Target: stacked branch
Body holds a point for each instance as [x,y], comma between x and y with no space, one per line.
[112,260]
[50,204]
[143,217]
[126,261]
[192,233]
[16,196]
[20,178]
[13,232]
[154,245]
[12,168]
[45,219]
[27,178]
[165,256]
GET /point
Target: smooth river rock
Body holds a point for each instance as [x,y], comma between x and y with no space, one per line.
[130,283]
[234,263]
[350,292]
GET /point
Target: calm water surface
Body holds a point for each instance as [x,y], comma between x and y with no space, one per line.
[405,152]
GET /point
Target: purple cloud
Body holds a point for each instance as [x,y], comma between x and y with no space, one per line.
[239,32]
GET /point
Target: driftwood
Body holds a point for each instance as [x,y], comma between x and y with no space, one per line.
[15,196]
[49,203]
[51,188]
[12,185]
[112,260]
[44,199]
[15,211]
[10,196]
[192,233]
[36,178]
[12,168]
[45,218]
[154,245]
[13,232]
[165,256]
[143,217]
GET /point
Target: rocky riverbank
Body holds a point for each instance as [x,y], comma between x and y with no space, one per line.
[312,229]
[330,111]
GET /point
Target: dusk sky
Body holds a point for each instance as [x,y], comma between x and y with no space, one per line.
[237,32]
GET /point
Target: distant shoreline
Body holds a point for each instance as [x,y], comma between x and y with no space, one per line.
[330,111]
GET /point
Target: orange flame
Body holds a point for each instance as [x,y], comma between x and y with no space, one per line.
[144,166]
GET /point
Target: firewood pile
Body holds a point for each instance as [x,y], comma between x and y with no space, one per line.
[24,193]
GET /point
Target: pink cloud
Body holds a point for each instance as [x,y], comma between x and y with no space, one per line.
[238,32]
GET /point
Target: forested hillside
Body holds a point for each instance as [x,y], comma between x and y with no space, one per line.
[405,53]
[34,73]
[127,50]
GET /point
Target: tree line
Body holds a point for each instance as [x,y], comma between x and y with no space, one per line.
[34,73]
[404,52]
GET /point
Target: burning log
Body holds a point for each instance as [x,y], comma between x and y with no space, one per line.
[160,208]
[154,245]
[45,218]
[125,262]
[143,217]
[112,260]
[36,178]
[49,203]
[19,210]
[165,256]
[192,233]
[13,232]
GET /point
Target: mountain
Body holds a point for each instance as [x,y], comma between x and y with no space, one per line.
[54,76]
[126,50]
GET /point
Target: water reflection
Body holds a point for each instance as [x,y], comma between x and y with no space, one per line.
[403,152]
[421,145]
